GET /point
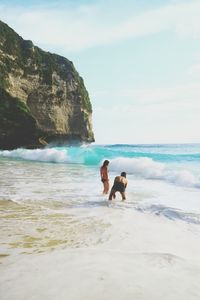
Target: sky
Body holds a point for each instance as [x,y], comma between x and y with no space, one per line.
[140,61]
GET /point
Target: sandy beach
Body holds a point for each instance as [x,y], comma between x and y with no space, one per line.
[139,257]
[61,239]
[99,99]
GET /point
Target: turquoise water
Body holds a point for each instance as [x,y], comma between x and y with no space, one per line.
[163,179]
[94,154]
[52,207]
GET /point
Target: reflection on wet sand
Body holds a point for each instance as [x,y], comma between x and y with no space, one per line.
[39,226]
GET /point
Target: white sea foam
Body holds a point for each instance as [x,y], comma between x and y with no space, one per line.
[145,250]
[143,167]
[147,168]
[61,207]
[45,155]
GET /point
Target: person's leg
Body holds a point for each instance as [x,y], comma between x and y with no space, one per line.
[123,196]
[103,187]
[106,187]
[112,195]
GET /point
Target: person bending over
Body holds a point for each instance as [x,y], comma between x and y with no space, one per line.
[120,184]
[104,176]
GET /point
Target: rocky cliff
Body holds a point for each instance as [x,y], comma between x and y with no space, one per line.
[42,97]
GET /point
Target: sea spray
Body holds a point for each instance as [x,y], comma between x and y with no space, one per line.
[175,164]
[46,189]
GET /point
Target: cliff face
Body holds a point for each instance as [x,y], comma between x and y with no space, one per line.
[42,96]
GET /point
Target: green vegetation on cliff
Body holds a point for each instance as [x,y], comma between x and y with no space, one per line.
[17,126]
[48,86]
[22,54]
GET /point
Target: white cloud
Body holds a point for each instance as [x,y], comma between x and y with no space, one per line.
[154,115]
[179,95]
[194,71]
[77,28]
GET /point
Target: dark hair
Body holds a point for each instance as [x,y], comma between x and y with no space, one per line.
[105,163]
[123,174]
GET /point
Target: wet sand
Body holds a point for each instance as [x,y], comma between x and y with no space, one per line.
[113,254]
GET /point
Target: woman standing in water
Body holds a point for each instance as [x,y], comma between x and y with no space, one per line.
[104,176]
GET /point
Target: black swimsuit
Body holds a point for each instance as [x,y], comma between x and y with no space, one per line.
[119,187]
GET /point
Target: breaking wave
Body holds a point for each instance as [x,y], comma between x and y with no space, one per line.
[146,162]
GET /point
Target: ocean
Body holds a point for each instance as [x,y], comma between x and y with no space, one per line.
[51,201]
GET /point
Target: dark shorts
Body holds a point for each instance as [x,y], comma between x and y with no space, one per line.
[119,187]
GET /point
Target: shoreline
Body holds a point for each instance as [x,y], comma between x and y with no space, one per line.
[142,256]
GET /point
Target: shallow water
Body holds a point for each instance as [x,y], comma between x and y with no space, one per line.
[51,198]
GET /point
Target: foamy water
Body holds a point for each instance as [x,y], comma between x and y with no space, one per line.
[47,189]
[51,201]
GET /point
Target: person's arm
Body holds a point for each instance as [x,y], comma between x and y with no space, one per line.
[101,173]
[106,173]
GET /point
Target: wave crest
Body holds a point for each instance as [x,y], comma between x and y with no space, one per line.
[143,167]
[43,155]
[147,168]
